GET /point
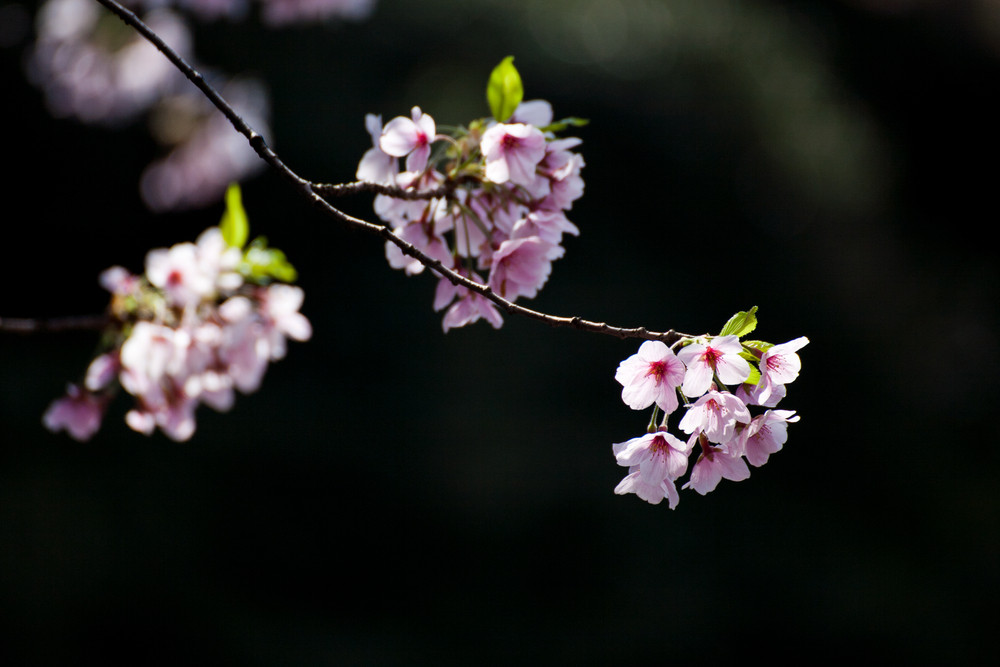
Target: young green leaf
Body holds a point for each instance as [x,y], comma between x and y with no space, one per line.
[561,125]
[234,225]
[741,323]
[758,345]
[504,90]
[754,377]
[261,264]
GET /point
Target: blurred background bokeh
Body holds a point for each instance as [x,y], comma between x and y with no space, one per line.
[394,495]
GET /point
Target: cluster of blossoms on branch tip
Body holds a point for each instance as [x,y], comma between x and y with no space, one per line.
[508,182]
[718,421]
[203,322]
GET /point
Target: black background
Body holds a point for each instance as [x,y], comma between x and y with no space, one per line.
[395,495]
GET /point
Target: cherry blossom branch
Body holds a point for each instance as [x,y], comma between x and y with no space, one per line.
[363,187]
[310,191]
[25,325]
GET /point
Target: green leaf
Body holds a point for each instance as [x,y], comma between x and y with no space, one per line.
[561,125]
[262,264]
[741,323]
[759,345]
[234,225]
[504,90]
[754,374]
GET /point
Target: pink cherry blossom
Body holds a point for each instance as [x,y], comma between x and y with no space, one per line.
[512,152]
[779,365]
[219,260]
[720,356]
[426,239]
[102,371]
[521,267]
[715,415]
[79,412]
[119,281]
[752,394]
[533,112]
[653,492]
[279,310]
[410,137]
[179,274]
[562,169]
[245,349]
[376,165]
[502,212]
[765,435]
[546,225]
[714,464]
[649,376]
[655,460]
[398,212]
[467,308]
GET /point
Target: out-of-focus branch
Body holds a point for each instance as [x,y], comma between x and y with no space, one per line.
[25,325]
[311,192]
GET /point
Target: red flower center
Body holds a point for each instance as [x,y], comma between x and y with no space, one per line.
[711,355]
[175,278]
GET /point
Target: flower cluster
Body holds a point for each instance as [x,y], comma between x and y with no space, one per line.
[718,421]
[204,321]
[503,186]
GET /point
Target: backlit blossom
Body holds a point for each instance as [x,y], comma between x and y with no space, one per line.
[655,460]
[649,376]
[410,137]
[521,266]
[376,165]
[425,238]
[765,435]
[714,464]
[716,415]
[512,152]
[279,312]
[779,365]
[720,356]
[532,112]
[466,306]
[79,412]
[751,394]
[176,271]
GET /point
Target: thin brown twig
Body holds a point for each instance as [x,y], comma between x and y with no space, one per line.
[309,190]
[364,187]
[28,325]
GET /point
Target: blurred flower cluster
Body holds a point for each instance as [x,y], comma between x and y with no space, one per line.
[203,322]
[506,183]
[93,67]
[718,421]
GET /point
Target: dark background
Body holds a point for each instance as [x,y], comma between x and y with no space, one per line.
[394,496]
